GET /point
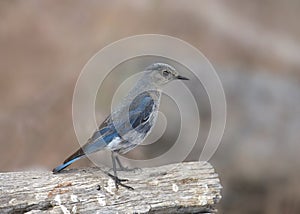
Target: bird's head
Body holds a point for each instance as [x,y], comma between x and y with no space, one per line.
[162,73]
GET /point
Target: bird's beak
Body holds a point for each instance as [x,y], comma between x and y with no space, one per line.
[182,78]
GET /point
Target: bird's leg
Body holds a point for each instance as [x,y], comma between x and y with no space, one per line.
[124,168]
[118,181]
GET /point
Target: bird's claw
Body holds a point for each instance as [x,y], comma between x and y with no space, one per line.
[118,181]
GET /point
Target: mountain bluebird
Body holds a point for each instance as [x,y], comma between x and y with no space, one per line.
[131,121]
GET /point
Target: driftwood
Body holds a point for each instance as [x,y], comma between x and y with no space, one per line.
[192,187]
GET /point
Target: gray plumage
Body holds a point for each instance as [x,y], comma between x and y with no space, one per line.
[133,119]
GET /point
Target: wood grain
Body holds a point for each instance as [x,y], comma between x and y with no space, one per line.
[191,187]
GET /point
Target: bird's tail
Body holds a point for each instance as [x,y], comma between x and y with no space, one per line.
[76,156]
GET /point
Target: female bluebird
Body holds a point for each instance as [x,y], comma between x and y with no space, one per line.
[131,121]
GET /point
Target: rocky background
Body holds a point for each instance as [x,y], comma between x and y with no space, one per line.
[254,46]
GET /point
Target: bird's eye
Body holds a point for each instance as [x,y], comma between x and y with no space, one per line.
[165,73]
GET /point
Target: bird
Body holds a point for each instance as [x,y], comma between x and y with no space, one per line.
[130,121]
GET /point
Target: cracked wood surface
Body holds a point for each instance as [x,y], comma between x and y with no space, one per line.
[191,187]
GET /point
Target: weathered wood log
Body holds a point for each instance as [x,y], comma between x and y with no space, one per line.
[191,187]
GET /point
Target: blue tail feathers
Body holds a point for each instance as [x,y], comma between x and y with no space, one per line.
[64,165]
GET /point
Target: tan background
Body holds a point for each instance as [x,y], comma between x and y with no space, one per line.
[254,45]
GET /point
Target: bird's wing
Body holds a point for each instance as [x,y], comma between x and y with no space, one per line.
[140,110]
[98,141]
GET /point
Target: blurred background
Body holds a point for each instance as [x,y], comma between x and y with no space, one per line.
[254,46]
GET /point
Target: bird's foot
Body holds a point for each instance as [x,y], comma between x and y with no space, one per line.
[119,181]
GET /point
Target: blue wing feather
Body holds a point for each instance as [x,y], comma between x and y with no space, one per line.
[140,110]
